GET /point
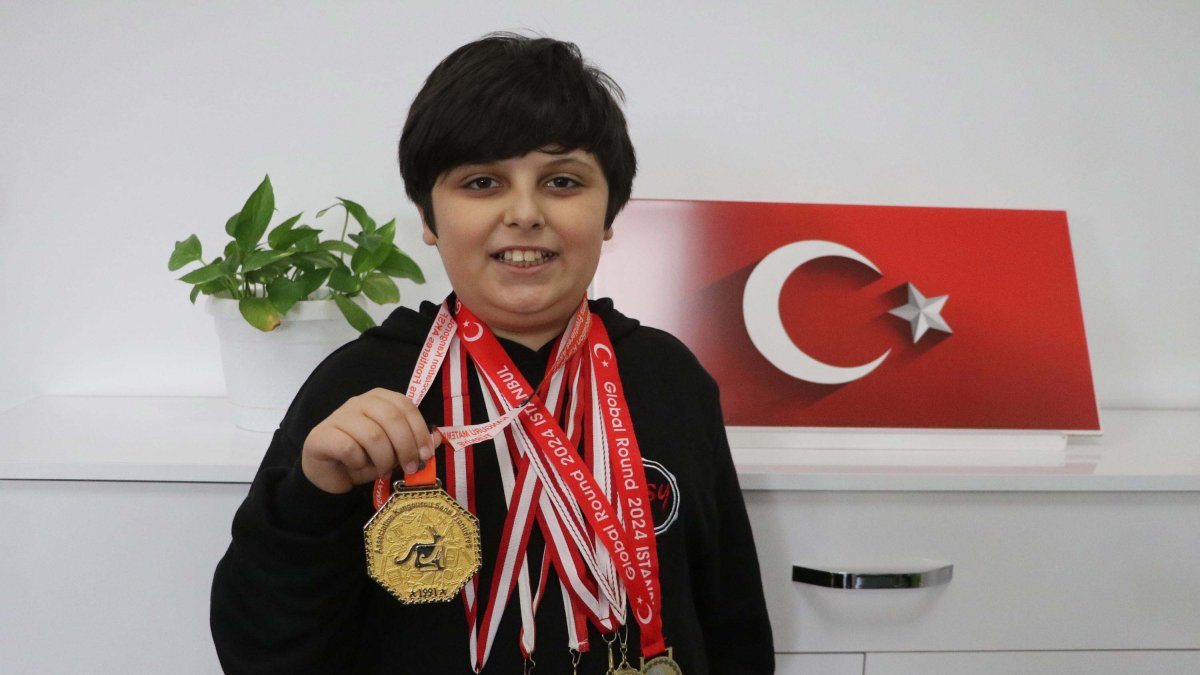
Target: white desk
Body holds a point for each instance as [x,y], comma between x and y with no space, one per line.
[192,439]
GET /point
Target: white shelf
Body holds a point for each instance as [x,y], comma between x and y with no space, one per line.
[133,438]
[193,439]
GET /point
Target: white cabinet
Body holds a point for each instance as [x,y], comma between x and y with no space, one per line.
[1032,571]
[1084,568]
[1034,663]
[109,541]
[819,664]
[110,578]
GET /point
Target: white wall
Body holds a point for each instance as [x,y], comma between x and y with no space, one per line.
[125,126]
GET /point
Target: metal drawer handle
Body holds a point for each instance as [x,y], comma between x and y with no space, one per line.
[935,575]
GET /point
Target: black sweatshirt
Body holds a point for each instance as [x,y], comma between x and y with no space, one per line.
[292,595]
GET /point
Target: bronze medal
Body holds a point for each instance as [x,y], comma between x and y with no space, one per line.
[422,546]
[662,664]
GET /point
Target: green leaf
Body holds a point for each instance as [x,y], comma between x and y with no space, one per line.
[321,259]
[311,281]
[370,254]
[231,224]
[286,240]
[309,243]
[209,272]
[233,257]
[280,231]
[388,232]
[337,246]
[399,265]
[327,209]
[380,289]
[255,216]
[260,259]
[186,251]
[342,279]
[359,214]
[284,293]
[212,287]
[231,265]
[195,292]
[356,315]
[260,313]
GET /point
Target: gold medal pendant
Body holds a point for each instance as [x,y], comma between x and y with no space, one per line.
[422,546]
[662,664]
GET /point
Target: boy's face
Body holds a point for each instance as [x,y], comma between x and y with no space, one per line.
[520,238]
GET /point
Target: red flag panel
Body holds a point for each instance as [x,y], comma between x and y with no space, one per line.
[1014,357]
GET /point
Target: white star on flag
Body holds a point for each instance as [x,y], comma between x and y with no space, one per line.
[923,313]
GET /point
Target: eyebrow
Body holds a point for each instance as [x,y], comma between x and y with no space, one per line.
[568,160]
[552,164]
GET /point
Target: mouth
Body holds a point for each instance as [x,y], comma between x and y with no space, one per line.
[524,257]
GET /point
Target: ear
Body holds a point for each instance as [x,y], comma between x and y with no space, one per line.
[427,235]
[608,232]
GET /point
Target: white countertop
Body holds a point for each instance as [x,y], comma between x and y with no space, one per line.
[193,439]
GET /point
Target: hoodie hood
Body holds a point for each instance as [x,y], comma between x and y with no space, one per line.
[411,326]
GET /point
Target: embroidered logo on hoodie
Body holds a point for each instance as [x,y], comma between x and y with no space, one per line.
[664,495]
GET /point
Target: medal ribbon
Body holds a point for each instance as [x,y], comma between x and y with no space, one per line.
[568,475]
[641,572]
[433,353]
[632,550]
[521,493]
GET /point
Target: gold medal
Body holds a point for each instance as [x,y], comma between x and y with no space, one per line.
[422,546]
[662,664]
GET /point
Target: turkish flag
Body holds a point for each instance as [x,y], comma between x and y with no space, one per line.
[818,315]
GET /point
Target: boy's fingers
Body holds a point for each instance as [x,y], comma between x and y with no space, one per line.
[405,426]
[396,441]
[348,451]
[417,426]
[374,449]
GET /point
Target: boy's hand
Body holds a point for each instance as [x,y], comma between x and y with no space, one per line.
[365,439]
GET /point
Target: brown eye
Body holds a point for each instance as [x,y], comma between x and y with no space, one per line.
[562,182]
[481,183]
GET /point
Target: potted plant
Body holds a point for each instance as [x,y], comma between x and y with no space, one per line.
[281,306]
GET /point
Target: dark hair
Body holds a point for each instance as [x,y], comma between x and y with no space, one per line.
[504,96]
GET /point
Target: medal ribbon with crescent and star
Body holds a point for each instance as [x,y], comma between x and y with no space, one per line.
[442,345]
[640,574]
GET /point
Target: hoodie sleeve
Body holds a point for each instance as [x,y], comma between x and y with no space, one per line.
[284,595]
[287,596]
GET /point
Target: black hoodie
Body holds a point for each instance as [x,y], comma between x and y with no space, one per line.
[291,594]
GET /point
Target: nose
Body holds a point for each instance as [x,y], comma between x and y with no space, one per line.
[524,209]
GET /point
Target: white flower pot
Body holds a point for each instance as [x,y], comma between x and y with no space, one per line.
[263,371]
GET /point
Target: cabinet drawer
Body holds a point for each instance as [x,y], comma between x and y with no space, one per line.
[819,664]
[1035,663]
[1032,571]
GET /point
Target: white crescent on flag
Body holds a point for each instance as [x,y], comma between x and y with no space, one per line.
[760,311]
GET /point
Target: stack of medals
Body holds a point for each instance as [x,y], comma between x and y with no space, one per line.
[569,463]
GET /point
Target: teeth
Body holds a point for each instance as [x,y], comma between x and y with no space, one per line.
[524,257]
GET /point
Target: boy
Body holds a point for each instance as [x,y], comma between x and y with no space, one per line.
[601,548]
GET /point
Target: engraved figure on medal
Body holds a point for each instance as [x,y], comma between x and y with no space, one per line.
[422,546]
